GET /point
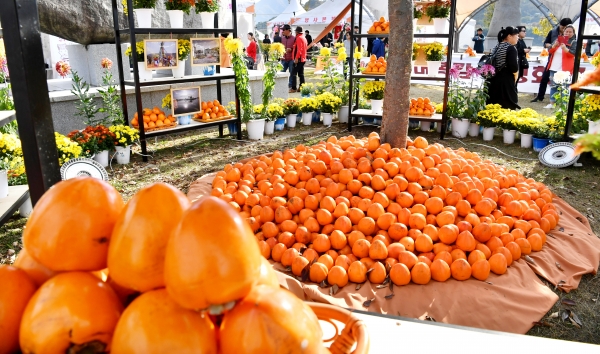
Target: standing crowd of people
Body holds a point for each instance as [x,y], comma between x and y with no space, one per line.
[510,59]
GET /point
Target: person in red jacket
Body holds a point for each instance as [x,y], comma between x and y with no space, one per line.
[562,58]
[251,50]
[299,56]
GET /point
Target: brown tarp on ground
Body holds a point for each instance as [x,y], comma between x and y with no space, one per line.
[511,303]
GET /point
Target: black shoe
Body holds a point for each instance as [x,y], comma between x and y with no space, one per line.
[537,100]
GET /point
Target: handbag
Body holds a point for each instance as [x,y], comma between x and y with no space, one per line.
[523,63]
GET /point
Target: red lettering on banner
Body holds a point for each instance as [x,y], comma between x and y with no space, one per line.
[324,19]
[420,70]
[537,74]
[315,20]
[306,20]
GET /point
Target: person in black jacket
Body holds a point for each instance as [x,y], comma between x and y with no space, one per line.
[501,87]
[550,39]
[522,51]
[478,39]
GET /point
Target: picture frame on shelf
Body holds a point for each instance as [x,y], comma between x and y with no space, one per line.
[206,51]
[185,101]
[161,54]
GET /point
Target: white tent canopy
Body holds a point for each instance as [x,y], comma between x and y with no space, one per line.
[293,10]
[322,16]
[265,10]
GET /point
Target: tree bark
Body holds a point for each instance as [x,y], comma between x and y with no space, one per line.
[396,104]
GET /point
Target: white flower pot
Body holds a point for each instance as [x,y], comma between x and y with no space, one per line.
[473,129]
[460,127]
[438,127]
[440,25]
[526,140]
[593,127]
[208,19]
[256,129]
[425,126]
[3,184]
[145,75]
[179,71]
[102,158]
[377,106]
[176,17]
[307,118]
[327,119]
[343,114]
[509,136]
[433,67]
[291,120]
[26,208]
[144,17]
[488,134]
[123,154]
[269,127]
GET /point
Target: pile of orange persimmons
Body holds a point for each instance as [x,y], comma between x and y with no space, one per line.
[156,275]
[351,210]
[154,118]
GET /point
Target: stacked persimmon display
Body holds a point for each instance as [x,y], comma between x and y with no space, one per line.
[376,66]
[212,111]
[154,119]
[156,275]
[351,210]
[421,107]
[380,27]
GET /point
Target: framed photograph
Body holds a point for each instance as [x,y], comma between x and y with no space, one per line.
[161,54]
[206,51]
[185,101]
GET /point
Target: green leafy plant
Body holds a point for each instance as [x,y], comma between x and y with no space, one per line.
[86,141]
[273,67]
[242,80]
[183,5]
[86,107]
[588,143]
[417,11]
[307,88]
[144,4]
[437,9]
[207,6]
[579,124]
[111,99]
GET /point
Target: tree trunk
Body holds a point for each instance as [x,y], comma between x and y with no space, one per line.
[506,13]
[396,104]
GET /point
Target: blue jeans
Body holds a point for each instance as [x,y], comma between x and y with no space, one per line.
[289,64]
[553,87]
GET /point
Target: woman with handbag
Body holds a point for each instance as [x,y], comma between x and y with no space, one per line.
[522,51]
[501,86]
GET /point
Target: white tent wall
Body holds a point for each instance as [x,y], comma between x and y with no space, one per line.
[293,10]
[465,38]
[318,18]
[266,10]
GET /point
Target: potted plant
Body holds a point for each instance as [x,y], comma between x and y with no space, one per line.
[591,111]
[10,146]
[306,89]
[329,104]
[105,142]
[438,11]
[67,148]
[489,118]
[143,10]
[434,54]
[273,111]
[526,126]
[308,106]
[256,125]
[207,9]
[87,142]
[508,125]
[145,75]
[124,137]
[277,50]
[291,106]
[176,8]
[541,135]
[417,14]
[232,109]
[185,48]
[374,90]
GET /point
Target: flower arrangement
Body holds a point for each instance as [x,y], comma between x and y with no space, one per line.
[579,124]
[235,48]
[207,6]
[329,103]
[325,52]
[184,47]
[591,108]
[307,88]
[183,5]
[166,101]
[588,142]
[10,145]
[63,68]
[258,108]
[319,88]
[291,106]
[277,50]
[437,9]
[231,108]
[144,4]
[357,53]
[374,90]
[308,104]
[526,125]
[139,49]
[342,55]
[16,172]
[105,139]
[124,135]
[86,141]
[274,111]
[67,149]
[491,116]
[434,51]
